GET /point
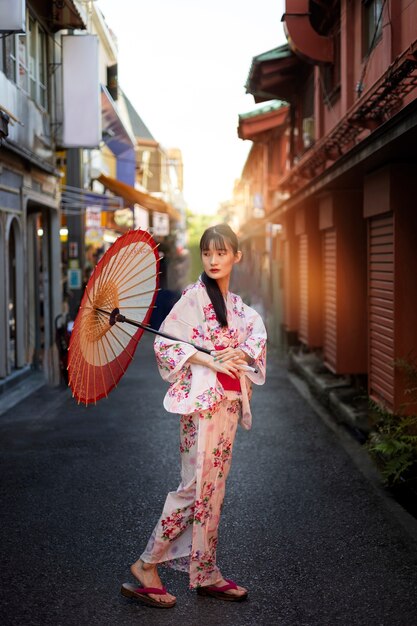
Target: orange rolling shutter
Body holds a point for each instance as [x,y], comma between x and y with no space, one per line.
[381,309]
[330,299]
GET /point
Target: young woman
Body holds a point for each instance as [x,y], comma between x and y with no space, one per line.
[211,393]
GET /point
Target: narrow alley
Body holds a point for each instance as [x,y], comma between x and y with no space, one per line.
[302,527]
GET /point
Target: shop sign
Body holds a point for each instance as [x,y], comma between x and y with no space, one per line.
[141,217]
[94,236]
[73,249]
[124,217]
[74,279]
[160,224]
[93,217]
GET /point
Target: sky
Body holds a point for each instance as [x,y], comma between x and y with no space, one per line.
[184,64]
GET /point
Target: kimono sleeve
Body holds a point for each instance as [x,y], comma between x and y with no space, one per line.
[171,356]
[255,344]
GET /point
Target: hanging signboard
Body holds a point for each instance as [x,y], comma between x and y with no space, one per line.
[81,91]
[141,217]
[12,16]
[160,224]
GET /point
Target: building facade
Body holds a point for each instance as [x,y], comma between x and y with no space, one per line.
[346,200]
[30,274]
[72,170]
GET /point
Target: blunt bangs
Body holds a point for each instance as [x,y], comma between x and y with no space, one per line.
[220,237]
[214,239]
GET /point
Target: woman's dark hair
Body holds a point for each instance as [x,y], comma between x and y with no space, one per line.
[218,236]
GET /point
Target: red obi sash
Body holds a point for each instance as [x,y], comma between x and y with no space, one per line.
[229,383]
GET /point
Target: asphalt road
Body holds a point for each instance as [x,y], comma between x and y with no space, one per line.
[302,527]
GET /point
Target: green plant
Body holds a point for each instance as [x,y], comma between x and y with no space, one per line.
[393,444]
[393,440]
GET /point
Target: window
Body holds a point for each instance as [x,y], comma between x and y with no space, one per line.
[22,72]
[24,61]
[372,23]
[330,74]
[37,63]
[10,57]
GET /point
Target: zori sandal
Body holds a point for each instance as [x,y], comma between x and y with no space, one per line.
[221,592]
[130,590]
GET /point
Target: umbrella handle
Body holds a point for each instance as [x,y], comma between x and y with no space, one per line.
[116,316]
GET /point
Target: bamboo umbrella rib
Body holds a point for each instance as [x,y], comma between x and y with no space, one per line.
[123,329]
[142,257]
[101,317]
[80,373]
[137,271]
[116,281]
[118,260]
[100,277]
[118,268]
[101,370]
[129,276]
[105,353]
[136,295]
[136,262]
[88,381]
[73,370]
[88,296]
[140,282]
[80,366]
[78,359]
[119,342]
[94,381]
[103,272]
[115,357]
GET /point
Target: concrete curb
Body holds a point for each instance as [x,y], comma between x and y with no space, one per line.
[10,397]
[336,393]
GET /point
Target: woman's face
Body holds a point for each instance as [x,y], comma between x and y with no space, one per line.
[218,263]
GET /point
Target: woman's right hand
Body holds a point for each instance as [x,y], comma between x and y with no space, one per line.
[227,367]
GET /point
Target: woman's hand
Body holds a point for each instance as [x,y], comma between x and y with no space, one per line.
[229,366]
[235,354]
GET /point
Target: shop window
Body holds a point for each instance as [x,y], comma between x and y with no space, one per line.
[372,23]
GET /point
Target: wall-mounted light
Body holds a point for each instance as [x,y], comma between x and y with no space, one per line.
[40,232]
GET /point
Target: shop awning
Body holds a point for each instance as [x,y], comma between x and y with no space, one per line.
[134,196]
[116,136]
[272,74]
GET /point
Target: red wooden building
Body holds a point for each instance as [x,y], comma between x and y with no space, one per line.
[347,196]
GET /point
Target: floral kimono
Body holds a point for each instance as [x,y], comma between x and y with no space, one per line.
[185,536]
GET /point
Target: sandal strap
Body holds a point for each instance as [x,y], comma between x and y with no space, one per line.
[155,590]
[230,585]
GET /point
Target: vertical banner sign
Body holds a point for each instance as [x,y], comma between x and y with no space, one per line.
[81,91]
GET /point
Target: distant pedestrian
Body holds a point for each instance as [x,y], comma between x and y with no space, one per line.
[211,393]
